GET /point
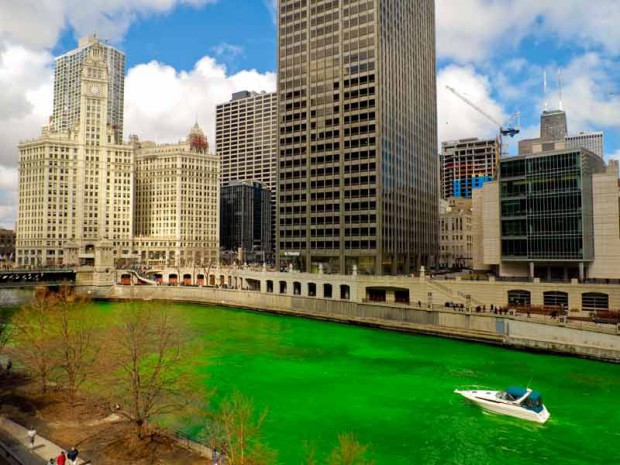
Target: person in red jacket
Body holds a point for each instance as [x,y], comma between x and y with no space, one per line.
[62,458]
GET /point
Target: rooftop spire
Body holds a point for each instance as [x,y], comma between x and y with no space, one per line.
[545,90]
[197,140]
[560,87]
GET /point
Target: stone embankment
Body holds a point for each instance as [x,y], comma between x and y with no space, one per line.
[600,342]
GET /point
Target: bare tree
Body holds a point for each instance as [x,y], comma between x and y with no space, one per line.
[238,431]
[148,373]
[76,346]
[33,336]
[349,451]
[310,454]
[4,320]
[4,333]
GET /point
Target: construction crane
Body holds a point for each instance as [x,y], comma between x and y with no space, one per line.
[510,129]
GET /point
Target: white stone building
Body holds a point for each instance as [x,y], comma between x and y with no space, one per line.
[455,233]
[176,203]
[68,86]
[76,185]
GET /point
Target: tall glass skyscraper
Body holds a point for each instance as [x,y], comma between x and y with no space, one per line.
[67,86]
[357,161]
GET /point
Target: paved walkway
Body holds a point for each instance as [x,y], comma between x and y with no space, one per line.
[14,438]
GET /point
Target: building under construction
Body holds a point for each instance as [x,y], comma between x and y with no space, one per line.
[467,164]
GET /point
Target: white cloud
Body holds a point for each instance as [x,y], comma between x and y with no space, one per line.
[26,98]
[8,197]
[38,23]
[8,178]
[473,30]
[168,116]
[227,51]
[272,6]
[469,30]
[455,118]
[589,81]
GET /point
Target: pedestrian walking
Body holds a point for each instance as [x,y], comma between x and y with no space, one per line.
[9,365]
[32,433]
[62,458]
[72,455]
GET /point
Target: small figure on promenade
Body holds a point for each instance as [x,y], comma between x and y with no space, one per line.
[32,433]
[72,455]
[62,458]
[9,365]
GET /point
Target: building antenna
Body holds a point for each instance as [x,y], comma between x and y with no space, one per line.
[560,86]
[545,90]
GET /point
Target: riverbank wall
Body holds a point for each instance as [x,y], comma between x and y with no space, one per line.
[600,342]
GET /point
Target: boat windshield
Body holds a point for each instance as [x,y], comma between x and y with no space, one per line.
[512,393]
[503,395]
[533,402]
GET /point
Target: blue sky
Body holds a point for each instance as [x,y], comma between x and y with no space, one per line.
[185,56]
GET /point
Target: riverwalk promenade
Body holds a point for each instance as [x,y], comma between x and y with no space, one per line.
[508,328]
[16,449]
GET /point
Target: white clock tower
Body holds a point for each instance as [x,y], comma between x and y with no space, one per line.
[84,175]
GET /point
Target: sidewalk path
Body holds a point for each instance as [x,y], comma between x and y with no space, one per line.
[18,445]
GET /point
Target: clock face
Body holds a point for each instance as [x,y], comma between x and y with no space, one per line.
[94,89]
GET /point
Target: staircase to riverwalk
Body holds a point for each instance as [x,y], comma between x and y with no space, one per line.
[450,294]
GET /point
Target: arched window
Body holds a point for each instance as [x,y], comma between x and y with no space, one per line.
[591,301]
[311,289]
[555,299]
[345,292]
[327,291]
[519,297]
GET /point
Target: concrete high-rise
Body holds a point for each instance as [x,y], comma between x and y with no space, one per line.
[593,141]
[357,129]
[67,86]
[245,137]
[467,164]
[76,185]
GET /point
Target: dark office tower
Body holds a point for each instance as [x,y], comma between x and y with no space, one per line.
[553,131]
[553,125]
[245,220]
[357,159]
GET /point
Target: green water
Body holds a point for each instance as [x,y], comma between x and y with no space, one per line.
[394,391]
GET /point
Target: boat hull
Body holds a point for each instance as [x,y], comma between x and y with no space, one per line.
[487,401]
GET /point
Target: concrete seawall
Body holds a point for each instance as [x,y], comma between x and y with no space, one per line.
[601,343]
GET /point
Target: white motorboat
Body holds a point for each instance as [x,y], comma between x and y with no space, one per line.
[516,402]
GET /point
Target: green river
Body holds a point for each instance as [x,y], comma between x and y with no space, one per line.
[395,391]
